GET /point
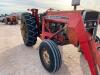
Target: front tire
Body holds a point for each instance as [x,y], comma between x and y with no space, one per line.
[50,56]
[28,29]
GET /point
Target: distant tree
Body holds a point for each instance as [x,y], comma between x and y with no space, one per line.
[6,14]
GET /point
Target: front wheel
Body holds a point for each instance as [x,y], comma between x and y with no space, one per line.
[50,56]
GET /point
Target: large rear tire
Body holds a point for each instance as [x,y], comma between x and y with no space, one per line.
[29,29]
[50,56]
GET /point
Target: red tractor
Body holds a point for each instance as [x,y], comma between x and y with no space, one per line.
[62,28]
[11,20]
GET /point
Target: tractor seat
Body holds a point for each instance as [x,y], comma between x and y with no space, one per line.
[91,21]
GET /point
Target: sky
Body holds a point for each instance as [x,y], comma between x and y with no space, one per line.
[8,6]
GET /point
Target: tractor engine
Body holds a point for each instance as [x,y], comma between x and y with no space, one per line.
[61,36]
[54,27]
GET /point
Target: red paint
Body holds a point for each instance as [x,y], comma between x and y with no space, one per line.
[76,34]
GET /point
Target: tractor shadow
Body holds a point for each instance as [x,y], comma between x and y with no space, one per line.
[22,60]
[63,70]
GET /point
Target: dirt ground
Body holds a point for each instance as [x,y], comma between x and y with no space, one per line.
[17,59]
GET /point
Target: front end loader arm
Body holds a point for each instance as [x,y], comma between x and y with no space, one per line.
[87,43]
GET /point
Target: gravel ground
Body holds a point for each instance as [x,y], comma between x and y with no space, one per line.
[17,59]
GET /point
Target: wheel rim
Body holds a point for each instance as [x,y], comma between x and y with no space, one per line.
[46,56]
[23,30]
